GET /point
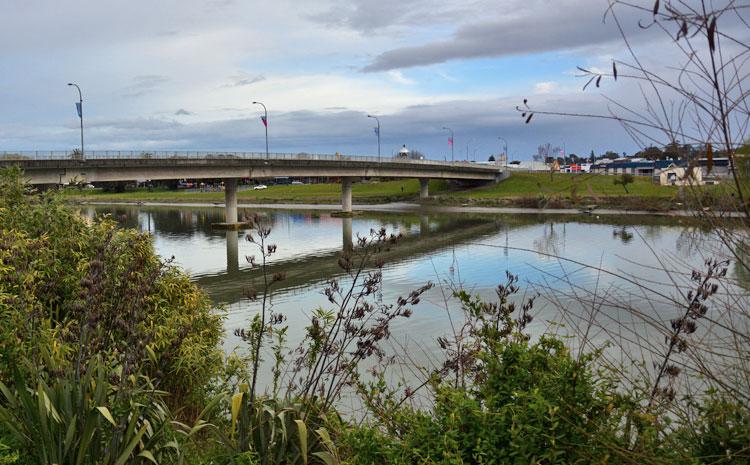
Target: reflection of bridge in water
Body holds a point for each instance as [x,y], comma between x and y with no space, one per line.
[232,284]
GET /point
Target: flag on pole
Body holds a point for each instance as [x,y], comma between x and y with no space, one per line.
[265,121]
[79,109]
[377,131]
[450,141]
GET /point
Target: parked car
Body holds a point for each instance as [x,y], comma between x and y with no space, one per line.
[259,187]
[297,183]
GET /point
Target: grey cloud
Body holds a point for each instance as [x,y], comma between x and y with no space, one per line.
[350,132]
[366,16]
[183,112]
[241,81]
[144,84]
[542,27]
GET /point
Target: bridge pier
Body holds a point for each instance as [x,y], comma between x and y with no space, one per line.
[346,229]
[230,200]
[346,195]
[424,190]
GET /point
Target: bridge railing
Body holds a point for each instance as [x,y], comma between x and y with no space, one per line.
[203,155]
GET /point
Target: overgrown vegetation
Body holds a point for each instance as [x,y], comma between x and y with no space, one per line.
[113,358]
[110,355]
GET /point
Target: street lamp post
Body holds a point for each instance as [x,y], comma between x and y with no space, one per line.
[467,148]
[79,108]
[265,123]
[377,131]
[453,142]
[505,149]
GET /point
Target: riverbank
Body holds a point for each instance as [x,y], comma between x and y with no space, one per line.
[536,191]
[407,207]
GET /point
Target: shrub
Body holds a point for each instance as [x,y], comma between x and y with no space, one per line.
[88,420]
[536,404]
[65,280]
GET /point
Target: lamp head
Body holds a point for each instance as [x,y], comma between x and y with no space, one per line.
[70,83]
[255,103]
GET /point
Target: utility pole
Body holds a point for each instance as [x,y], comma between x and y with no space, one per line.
[264,118]
[79,108]
[452,142]
[377,131]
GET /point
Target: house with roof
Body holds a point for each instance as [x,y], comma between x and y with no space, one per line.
[636,166]
[674,175]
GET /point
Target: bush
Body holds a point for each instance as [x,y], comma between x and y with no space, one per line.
[536,404]
[88,420]
[65,280]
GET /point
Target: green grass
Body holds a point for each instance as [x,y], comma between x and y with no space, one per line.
[564,184]
[308,193]
[519,190]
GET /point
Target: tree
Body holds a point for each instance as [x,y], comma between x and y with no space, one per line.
[651,153]
[492,158]
[624,180]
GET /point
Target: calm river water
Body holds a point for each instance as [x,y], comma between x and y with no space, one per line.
[557,257]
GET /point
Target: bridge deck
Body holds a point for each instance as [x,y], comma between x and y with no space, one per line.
[58,167]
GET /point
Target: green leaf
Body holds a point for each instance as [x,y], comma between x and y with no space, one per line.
[302,430]
[129,449]
[105,413]
[149,456]
[327,457]
[236,404]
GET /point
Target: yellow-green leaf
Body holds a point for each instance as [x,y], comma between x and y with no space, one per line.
[105,413]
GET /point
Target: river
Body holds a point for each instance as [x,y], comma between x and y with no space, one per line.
[628,272]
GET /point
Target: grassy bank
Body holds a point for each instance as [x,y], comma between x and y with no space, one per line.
[372,192]
[535,190]
[539,190]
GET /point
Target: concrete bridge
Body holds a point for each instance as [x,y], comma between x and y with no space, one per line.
[99,166]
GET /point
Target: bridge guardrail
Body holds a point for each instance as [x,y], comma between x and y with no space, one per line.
[185,154]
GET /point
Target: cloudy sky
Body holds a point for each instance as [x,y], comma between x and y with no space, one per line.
[181,74]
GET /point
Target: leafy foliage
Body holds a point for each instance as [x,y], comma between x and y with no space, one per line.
[89,421]
[623,180]
[64,279]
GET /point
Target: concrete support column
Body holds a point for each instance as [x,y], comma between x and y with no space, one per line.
[346,229]
[233,264]
[346,195]
[424,191]
[230,200]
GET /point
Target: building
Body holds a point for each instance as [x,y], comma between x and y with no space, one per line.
[403,153]
[636,167]
[674,175]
